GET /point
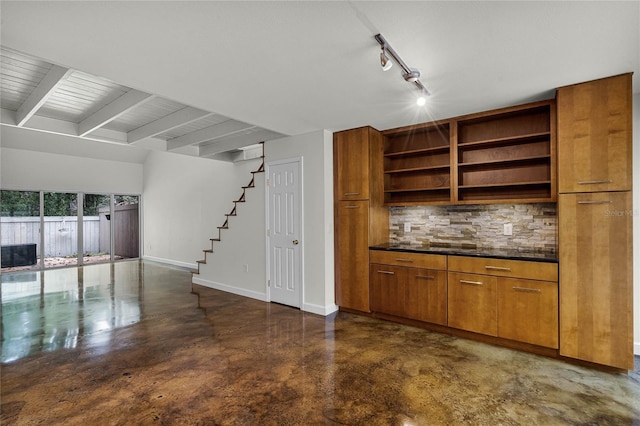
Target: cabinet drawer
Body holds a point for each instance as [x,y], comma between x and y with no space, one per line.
[413,260]
[543,271]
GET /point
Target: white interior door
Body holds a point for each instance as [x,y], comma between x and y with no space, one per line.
[285,237]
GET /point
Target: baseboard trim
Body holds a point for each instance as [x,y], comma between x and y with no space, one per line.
[319,309]
[230,289]
[171,262]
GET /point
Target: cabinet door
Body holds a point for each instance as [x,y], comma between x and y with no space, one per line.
[594,136]
[528,311]
[472,303]
[596,277]
[352,255]
[426,295]
[351,162]
[387,289]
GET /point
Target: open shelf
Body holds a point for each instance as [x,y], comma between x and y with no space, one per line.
[418,169]
[509,140]
[503,185]
[432,150]
[490,163]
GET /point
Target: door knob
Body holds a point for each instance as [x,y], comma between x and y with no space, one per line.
[295,242]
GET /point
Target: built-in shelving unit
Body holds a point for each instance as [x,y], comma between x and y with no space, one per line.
[505,155]
[417,165]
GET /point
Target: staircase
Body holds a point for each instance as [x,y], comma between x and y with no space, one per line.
[233,212]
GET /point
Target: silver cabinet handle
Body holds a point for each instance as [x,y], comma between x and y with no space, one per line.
[594,182]
[404,260]
[347,194]
[527,290]
[386,272]
[595,202]
[351,207]
[470,282]
[497,268]
[426,277]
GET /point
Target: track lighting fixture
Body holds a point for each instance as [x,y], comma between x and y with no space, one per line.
[385,62]
[410,75]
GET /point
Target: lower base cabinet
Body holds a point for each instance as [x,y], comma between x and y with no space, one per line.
[528,311]
[426,295]
[472,303]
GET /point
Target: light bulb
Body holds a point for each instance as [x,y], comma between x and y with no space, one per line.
[421,101]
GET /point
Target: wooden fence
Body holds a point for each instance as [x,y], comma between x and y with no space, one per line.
[60,234]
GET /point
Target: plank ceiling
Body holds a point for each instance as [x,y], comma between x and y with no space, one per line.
[42,96]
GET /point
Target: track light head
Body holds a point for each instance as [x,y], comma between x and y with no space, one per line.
[385,62]
[412,76]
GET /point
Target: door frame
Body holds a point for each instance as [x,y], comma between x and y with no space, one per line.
[267,218]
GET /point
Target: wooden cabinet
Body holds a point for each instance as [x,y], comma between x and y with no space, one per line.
[528,311]
[594,135]
[512,299]
[352,260]
[472,303]
[417,291]
[417,165]
[360,220]
[505,155]
[595,221]
[388,286]
[426,295]
[596,278]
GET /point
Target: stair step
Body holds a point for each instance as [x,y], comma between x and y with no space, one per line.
[214,239]
[195,272]
[201,261]
[208,251]
[223,227]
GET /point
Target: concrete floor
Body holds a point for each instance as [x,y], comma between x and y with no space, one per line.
[130,344]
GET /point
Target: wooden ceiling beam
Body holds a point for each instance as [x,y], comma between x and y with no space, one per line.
[217,131]
[115,109]
[237,141]
[41,93]
[179,118]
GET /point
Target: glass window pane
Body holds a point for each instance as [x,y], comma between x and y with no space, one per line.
[20,230]
[60,229]
[96,228]
[126,223]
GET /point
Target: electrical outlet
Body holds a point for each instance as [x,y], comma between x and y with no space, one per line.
[407,227]
[508,229]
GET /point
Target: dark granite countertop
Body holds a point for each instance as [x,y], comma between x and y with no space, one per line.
[495,253]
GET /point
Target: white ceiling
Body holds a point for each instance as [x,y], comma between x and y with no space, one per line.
[296,67]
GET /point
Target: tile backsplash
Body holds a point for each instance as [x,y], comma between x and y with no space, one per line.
[535,226]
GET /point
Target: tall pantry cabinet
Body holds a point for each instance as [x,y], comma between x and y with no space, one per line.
[360,218]
[595,221]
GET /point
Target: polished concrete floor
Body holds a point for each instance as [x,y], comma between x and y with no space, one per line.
[129,344]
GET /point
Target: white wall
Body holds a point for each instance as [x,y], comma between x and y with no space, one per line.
[32,170]
[316,150]
[185,200]
[245,242]
[636,222]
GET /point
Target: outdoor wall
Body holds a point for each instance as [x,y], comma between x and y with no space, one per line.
[32,170]
[184,200]
[316,150]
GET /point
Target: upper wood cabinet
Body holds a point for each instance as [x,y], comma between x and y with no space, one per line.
[417,165]
[505,155]
[358,164]
[594,135]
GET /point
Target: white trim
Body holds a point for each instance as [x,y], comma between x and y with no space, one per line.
[298,160]
[171,262]
[636,348]
[230,289]
[319,309]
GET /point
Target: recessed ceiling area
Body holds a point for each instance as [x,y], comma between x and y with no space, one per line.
[38,95]
[288,68]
